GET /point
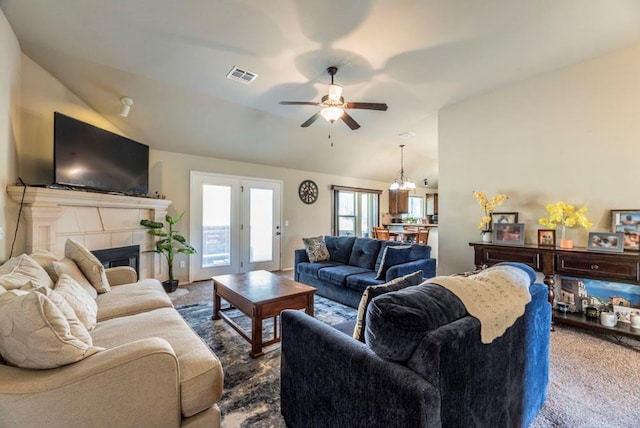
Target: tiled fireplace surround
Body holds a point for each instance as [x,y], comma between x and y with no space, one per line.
[97,220]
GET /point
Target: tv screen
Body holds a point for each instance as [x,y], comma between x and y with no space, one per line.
[90,157]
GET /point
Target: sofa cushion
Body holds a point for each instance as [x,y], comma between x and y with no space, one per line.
[69,267]
[361,281]
[397,321]
[83,305]
[129,299]
[378,290]
[201,377]
[337,275]
[37,333]
[311,269]
[89,264]
[339,247]
[21,270]
[316,249]
[393,256]
[364,253]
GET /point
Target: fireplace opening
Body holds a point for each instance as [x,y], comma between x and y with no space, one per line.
[121,256]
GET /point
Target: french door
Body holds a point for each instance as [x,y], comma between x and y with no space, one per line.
[235,224]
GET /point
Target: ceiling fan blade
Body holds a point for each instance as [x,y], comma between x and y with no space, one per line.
[351,123]
[311,120]
[298,103]
[368,106]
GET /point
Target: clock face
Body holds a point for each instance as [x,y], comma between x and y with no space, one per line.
[308,191]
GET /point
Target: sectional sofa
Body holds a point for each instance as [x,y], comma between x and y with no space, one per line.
[356,263]
[127,359]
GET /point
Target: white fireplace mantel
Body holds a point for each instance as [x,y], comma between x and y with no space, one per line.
[97,220]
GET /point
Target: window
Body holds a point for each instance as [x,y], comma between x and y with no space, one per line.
[416,207]
[355,211]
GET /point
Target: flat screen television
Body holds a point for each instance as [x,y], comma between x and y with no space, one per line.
[96,159]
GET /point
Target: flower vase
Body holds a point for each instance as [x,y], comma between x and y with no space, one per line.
[565,243]
[486,236]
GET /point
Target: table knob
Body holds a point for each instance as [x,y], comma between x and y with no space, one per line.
[595,267]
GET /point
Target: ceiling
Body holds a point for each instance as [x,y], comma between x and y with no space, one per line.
[171,57]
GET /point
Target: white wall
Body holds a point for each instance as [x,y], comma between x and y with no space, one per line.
[9,131]
[571,135]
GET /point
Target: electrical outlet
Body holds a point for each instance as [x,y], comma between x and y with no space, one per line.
[182,264]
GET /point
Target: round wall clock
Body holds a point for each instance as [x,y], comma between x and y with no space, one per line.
[308,191]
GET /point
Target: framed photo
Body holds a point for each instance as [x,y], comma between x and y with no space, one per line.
[546,237]
[499,218]
[508,233]
[628,223]
[606,241]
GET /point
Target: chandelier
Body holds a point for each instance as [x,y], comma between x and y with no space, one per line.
[403,183]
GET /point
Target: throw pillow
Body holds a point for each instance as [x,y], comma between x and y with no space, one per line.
[45,259]
[393,255]
[20,270]
[35,334]
[88,264]
[83,305]
[377,290]
[69,267]
[316,249]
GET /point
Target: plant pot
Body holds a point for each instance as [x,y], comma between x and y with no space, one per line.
[170,286]
[486,236]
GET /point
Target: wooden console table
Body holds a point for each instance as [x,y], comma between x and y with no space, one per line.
[576,262]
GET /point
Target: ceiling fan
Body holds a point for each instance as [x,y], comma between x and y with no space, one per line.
[334,107]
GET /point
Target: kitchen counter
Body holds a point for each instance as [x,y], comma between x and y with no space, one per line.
[411,224]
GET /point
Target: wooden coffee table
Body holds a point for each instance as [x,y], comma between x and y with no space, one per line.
[259,295]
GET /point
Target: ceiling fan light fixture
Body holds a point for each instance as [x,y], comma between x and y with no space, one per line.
[331,114]
[394,185]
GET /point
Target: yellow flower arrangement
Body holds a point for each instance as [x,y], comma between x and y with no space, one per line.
[563,214]
[488,205]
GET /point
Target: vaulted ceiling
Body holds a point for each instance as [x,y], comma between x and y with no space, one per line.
[172,57]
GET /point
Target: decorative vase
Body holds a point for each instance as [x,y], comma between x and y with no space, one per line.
[565,243]
[486,236]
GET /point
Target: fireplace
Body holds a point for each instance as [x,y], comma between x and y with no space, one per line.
[121,256]
[96,220]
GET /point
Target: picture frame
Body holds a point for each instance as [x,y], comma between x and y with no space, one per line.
[508,233]
[497,218]
[628,223]
[546,237]
[610,242]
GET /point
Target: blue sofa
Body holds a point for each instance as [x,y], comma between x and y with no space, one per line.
[353,265]
[447,377]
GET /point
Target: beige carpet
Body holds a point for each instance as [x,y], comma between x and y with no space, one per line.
[594,380]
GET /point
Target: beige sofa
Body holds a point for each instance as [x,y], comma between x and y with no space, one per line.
[154,370]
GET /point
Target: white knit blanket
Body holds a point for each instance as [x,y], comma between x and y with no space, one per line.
[495,296]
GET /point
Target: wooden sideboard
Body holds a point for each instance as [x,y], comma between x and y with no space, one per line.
[575,262]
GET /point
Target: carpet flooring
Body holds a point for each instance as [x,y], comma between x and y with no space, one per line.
[594,379]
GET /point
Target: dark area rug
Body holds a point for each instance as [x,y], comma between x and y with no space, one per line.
[251,395]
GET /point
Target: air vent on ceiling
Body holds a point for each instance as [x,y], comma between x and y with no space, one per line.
[242,76]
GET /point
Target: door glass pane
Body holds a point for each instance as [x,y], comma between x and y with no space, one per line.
[261,225]
[216,226]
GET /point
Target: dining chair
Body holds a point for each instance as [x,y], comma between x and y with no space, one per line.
[423,236]
[381,233]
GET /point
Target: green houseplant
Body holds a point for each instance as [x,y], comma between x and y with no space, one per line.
[170,243]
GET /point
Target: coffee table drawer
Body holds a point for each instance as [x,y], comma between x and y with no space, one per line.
[595,266]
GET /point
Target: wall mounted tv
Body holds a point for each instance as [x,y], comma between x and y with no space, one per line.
[96,159]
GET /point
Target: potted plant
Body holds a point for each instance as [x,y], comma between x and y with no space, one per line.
[170,243]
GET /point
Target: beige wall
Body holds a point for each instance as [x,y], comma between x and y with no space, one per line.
[9,131]
[571,135]
[170,172]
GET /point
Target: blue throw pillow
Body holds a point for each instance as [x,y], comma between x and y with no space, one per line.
[377,290]
[393,256]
